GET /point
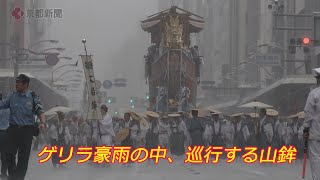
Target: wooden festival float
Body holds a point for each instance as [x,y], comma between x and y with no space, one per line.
[172,66]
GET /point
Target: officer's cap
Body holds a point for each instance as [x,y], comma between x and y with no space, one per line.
[23,78]
[316,72]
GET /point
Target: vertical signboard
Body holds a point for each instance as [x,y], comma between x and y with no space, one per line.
[94,112]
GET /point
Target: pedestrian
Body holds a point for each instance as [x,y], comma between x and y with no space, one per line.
[196,129]
[4,124]
[105,127]
[177,136]
[264,131]
[312,127]
[23,104]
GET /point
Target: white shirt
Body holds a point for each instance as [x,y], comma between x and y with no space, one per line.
[107,119]
[53,131]
[312,114]
[267,128]
[261,122]
[106,125]
[239,126]
[216,127]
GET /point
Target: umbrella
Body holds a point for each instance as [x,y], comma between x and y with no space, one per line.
[122,135]
[144,125]
[254,115]
[256,104]
[301,115]
[272,112]
[54,110]
[213,110]
[298,115]
[152,114]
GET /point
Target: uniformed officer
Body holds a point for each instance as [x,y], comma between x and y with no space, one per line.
[4,124]
[312,127]
[23,104]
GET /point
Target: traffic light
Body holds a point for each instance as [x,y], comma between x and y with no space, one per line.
[133,100]
[306,41]
[147,97]
[292,46]
[111,100]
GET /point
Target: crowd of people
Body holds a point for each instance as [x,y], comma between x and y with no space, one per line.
[177,131]
[174,131]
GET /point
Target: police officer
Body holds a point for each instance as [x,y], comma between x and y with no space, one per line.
[23,104]
[4,124]
[311,127]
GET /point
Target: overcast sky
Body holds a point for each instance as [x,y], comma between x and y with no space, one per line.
[105,24]
[109,26]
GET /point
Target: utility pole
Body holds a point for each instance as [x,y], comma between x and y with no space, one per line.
[16,57]
[316,38]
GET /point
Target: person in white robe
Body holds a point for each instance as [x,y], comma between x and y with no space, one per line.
[298,139]
[60,136]
[265,130]
[84,132]
[207,134]
[164,130]
[312,127]
[282,131]
[183,126]
[152,135]
[105,126]
[228,131]
[135,135]
[289,133]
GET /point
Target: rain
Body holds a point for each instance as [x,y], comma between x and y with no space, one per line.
[193,78]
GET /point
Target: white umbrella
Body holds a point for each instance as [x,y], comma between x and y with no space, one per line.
[54,110]
[256,104]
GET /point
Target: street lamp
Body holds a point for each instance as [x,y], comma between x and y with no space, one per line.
[74,80]
[17,50]
[50,41]
[78,71]
[76,75]
[67,58]
[58,49]
[76,64]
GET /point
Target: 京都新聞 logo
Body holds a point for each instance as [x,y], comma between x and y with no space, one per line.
[17,13]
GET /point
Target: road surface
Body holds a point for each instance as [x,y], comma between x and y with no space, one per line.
[165,171]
